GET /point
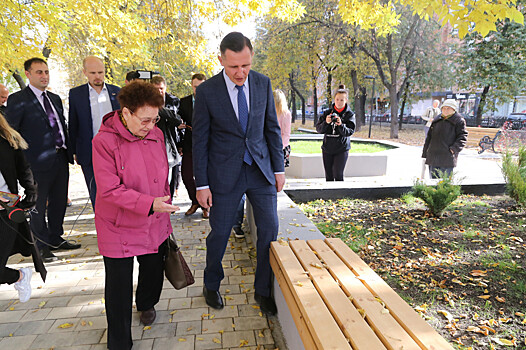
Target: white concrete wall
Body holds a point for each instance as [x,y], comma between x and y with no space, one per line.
[308,166]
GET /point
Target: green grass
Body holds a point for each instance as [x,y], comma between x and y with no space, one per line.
[311,147]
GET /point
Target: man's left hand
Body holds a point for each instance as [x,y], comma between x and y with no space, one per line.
[280,181]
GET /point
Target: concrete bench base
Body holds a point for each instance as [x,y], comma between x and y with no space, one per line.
[307,166]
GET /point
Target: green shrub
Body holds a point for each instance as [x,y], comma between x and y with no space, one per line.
[514,171]
[437,197]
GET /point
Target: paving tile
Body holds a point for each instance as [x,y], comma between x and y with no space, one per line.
[19,343]
[217,325]
[188,328]
[52,340]
[35,315]
[34,327]
[11,316]
[208,341]
[63,312]
[160,331]
[8,328]
[235,339]
[175,343]
[250,323]
[235,299]
[88,337]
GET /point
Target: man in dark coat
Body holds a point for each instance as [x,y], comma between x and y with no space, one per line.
[38,115]
[447,136]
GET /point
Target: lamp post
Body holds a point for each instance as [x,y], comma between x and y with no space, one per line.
[372,101]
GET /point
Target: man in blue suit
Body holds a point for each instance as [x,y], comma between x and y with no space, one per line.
[237,149]
[38,115]
[88,103]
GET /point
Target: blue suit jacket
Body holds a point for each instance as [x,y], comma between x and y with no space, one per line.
[81,122]
[26,115]
[219,142]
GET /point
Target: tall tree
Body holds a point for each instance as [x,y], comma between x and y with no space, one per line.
[494,64]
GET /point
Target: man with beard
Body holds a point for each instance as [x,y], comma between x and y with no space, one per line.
[88,103]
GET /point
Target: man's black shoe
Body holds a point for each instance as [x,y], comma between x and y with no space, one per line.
[266,304]
[148,316]
[65,245]
[238,232]
[213,298]
[47,256]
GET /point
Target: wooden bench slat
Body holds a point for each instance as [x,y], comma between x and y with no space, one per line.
[322,326]
[475,134]
[408,318]
[349,319]
[301,325]
[385,326]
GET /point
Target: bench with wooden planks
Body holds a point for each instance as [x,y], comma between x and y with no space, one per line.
[338,302]
[476,134]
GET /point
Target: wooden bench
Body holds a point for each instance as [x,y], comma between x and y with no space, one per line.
[475,135]
[338,302]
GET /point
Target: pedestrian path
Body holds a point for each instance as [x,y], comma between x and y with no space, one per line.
[67,312]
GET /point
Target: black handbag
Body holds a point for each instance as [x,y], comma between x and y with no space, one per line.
[175,267]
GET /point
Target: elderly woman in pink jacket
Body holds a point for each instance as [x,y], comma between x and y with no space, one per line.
[132,215]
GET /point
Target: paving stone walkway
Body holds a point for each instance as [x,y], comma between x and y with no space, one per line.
[67,312]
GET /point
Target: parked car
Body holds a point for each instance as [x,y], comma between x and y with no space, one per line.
[517,120]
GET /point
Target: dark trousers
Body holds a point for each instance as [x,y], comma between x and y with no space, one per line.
[118,293]
[7,239]
[51,202]
[240,212]
[263,198]
[188,176]
[89,176]
[176,179]
[334,165]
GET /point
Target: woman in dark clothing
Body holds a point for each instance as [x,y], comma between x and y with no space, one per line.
[338,124]
[447,136]
[16,237]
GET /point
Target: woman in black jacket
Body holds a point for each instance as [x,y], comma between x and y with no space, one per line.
[338,124]
[447,136]
[16,237]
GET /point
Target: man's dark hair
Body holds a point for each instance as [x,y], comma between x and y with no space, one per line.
[130,76]
[234,41]
[199,76]
[138,94]
[29,62]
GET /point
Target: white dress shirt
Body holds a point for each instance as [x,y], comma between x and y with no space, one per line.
[233,92]
[100,106]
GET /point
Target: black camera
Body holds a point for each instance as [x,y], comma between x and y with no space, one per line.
[334,117]
[140,74]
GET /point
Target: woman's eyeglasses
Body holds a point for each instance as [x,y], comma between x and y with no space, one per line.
[147,121]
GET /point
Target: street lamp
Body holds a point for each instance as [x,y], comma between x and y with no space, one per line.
[372,101]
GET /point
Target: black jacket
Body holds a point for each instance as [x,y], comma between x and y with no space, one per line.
[337,137]
[185,111]
[444,141]
[15,169]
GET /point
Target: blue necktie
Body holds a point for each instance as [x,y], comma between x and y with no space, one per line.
[53,121]
[242,110]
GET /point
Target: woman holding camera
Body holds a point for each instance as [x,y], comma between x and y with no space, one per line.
[338,124]
[132,215]
[15,236]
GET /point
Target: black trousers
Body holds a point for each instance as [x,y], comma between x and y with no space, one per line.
[188,176]
[7,240]
[118,293]
[47,222]
[334,165]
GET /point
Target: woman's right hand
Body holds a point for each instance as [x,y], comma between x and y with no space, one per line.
[328,120]
[160,205]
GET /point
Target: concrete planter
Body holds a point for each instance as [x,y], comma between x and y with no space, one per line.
[308,166]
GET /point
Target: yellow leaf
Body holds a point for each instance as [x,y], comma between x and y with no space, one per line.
[182,339]
[485,297]
[66,325]
[42,303]
[217,341]
[147,328]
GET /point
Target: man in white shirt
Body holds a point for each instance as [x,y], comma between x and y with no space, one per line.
[88,104]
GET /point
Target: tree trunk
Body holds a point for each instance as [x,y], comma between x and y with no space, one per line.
[329,87]
[404,99]
[393,99]
[359,100]
[293,103]
[19,80]
[315,101]
[301,98]
[482,105]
